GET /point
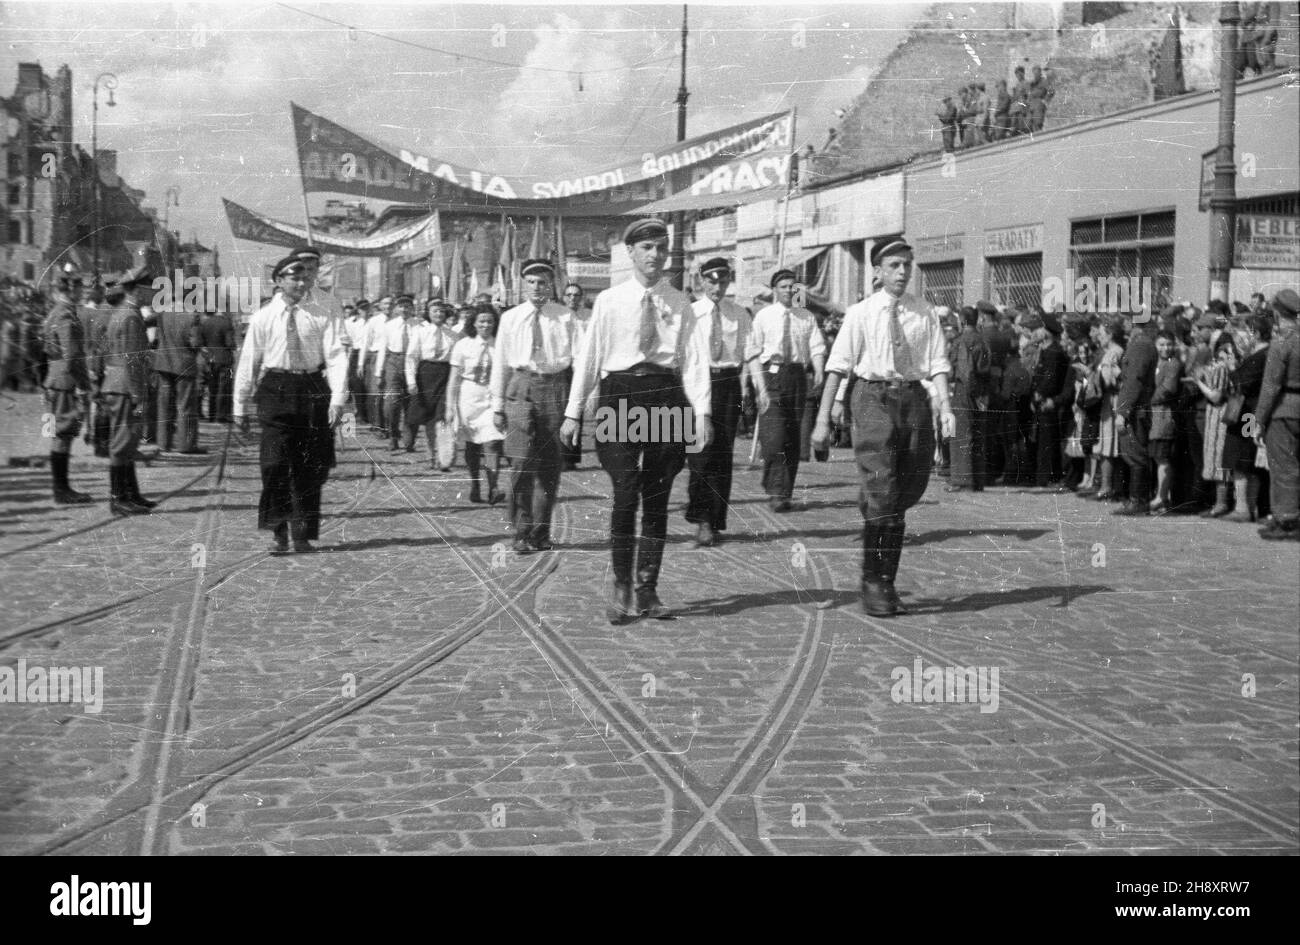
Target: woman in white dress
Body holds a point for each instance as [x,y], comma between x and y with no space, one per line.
[469,405]
[1110,337]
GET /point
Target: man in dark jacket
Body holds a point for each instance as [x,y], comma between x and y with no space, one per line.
[67,384]
[1277,415]
[971,364]
[180,336]
[1050,392]
[219,353]
[126,383]
[1137,383]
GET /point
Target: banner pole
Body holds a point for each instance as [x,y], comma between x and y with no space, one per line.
[789,186]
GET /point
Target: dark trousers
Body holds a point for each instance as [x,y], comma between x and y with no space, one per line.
[124,428]
[779,429]
[1049,436]
[893,443]
[220,387]
[394,395]
[1282,440]
[371,387]
[1134,447]
[296,451]
[709,493]
[641,471]
[177,411]
[534,414]
[149,409]
[357,386]
[573,454]
[966,449]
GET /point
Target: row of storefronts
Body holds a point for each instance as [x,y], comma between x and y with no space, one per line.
[1103,215]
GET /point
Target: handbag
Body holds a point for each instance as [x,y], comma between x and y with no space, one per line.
[1233,408]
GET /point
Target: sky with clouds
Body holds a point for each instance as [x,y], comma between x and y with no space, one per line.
[204,88]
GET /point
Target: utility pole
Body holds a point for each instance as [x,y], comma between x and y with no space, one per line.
[1223,199]
[677,265]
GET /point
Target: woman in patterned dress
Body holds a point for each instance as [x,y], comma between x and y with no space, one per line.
[469,404]
[1111,340]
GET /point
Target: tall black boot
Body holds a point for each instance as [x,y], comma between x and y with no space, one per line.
[619,605]
[876,599]
[891,550]
[120,502]
[133,489]
[649,557]
[64,494]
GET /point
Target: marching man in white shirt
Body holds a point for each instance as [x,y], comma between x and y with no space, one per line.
[390,368]
[890,342]
[294,367]
[649,363]
[788,344]
[728,326]
[530,382]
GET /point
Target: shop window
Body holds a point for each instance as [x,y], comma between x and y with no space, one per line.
[15,231]
[942,283]
[1134,248]
[15,194]
[1016,281]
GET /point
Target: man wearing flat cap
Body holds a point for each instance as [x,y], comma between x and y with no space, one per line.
[126,386]
[1277,413]
[788,345]
[354,326]
[891,342]
[293,370]
[711,468]
[373,341]
[1051,387]
[390,369]
[1137,383]
[645,354]
[530,385]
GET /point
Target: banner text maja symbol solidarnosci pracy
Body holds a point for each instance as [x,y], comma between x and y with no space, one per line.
[738,163]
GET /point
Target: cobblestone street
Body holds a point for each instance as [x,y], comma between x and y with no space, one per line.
[415,687]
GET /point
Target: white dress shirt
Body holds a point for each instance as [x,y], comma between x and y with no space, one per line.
[393,336]
[736,328]
[613,343]
[514,345]
[806,340]
[428,342]
[373,325]
[864,346]
[355,327]
[265,347]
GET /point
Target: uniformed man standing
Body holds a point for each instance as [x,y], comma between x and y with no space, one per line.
[94,317]
[645,355]
[787,343]
[1277,413]
[67,384]
[390,368]
[294,367]
[126,357]
[574,299]
[219,352]
[729,329]
[530,383]
[890,342]
[176,364]
[1137,382]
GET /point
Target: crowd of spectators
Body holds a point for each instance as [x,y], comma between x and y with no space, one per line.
[22,317]
[977,115]
[1256,40]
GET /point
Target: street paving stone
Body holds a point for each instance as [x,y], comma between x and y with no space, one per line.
[415,687]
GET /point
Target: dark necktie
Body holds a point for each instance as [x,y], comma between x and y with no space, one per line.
[715,338]
[539,345]
[649,327]
[787,343]
[902,350]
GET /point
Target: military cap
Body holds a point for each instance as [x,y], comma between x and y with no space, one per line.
[779,275]
[716,265]
[646,229]
[541,267]
[889,246]
[404,300]
[287,266]
[307,253]
[361,305]
[1287,303]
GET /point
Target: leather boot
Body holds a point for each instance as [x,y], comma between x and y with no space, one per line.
[649,556]
[133,489]
[64,494]
[891,550]
[875,595]
[120,499]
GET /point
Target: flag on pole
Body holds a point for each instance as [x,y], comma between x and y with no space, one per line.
[502,291]
[455,292]
[437,265]
[473,285]
[561,263]
[538,248]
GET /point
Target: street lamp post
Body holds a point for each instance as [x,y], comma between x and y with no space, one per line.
[1223,199]
[110,83]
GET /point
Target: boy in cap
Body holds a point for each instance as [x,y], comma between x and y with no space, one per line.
[644,353]
[530,383]
[294,367]
[787,344]
[890,342]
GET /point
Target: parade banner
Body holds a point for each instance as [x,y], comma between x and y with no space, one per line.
[247,224]
[723,168]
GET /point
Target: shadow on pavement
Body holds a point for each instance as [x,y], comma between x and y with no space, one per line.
[946,534]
